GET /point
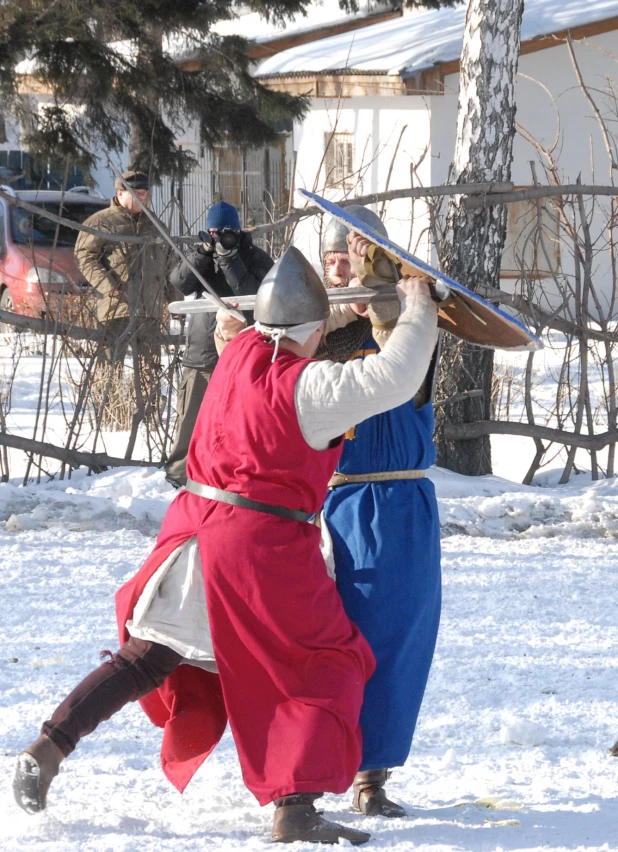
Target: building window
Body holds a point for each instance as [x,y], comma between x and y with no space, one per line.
[339,160]
[532,244]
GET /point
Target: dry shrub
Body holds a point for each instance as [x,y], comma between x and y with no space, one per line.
[112,395]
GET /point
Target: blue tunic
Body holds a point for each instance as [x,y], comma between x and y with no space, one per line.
[386,540]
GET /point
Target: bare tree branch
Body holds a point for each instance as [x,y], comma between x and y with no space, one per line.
[77,332]
[538,192]
[71,223]
[458,397]
[542,317]
[95,461]
[466,431]
[392,194]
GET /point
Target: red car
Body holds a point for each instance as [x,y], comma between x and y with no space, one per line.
[38,273]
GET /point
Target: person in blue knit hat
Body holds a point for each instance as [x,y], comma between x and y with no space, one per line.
[221,216]
[233,266]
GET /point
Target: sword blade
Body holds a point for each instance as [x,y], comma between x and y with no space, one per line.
[336,296]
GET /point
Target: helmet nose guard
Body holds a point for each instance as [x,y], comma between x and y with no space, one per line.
[291,293]
[335,232]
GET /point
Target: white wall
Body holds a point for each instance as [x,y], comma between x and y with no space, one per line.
[551,108]
[377,124]
[552,114]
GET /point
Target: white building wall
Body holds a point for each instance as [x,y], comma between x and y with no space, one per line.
[377,124]
[553,116]
[552,112]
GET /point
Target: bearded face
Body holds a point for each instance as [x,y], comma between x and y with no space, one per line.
[337,269]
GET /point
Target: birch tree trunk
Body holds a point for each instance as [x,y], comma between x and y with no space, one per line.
[472,250]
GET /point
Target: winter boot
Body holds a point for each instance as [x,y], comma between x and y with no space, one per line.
[36,767]
[370,797]
[297,819]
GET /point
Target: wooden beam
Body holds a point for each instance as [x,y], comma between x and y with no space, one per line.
[337,85]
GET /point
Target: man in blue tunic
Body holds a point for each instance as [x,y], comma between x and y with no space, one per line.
[382,516]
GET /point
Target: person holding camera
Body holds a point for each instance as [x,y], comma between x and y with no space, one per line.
[233,266]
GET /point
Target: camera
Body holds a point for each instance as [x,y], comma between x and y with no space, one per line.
[229,238]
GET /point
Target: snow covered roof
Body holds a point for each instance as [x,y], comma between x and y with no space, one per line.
[321,13]
[183,45]
[420,40]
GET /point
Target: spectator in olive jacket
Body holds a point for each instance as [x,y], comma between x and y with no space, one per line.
[233,266]
[130,279]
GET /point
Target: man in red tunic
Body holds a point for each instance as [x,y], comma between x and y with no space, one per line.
[236,585]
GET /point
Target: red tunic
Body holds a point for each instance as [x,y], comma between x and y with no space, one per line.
[292,666]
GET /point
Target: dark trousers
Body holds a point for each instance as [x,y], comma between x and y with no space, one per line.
[190,395]
[137,669]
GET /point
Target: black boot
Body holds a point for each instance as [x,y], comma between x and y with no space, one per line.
[37,766]
[370,797]
[297,819]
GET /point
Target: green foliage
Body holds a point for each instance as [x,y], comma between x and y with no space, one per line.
[111,69]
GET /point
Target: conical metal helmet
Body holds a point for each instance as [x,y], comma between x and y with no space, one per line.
[291,293]
[335,232]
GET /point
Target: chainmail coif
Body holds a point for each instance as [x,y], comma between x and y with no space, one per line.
[343,343]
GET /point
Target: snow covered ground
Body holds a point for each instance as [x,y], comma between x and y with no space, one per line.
[521,707]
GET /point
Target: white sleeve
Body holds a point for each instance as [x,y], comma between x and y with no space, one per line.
[330,398]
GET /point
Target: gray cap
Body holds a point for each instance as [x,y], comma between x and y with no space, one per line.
[291,293]
[335,232]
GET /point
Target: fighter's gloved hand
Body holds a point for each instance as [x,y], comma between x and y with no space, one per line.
[208,243]
[358,247]
[359,308]
[413,285]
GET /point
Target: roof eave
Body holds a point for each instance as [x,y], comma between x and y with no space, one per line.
[451,65]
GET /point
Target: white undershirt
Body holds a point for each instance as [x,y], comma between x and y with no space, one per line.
[331,398]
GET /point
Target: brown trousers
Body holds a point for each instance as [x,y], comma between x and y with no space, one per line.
[137,669]
[190,395]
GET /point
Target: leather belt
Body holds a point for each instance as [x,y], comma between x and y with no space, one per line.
[211,493]
[383,476]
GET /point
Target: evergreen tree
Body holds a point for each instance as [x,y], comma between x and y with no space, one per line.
[111,69]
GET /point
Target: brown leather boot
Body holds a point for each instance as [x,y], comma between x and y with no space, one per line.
[36,767]
[370,797]
[297,819]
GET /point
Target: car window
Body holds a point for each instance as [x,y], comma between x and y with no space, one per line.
[31,229]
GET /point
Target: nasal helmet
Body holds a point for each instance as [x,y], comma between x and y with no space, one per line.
[291,293]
